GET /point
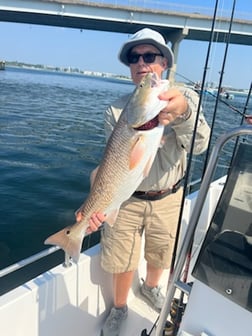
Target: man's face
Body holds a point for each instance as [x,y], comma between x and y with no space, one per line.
[141,68]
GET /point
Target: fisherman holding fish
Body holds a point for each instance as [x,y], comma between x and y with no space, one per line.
[153,210]
[143,195]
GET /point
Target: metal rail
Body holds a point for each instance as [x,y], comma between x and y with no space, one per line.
[28,261]
[67,263]
[185,246]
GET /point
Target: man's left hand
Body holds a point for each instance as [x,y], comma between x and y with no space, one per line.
[176,106]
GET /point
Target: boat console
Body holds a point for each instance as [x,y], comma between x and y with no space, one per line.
[220,302]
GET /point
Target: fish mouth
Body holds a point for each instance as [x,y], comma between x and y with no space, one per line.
[148,125]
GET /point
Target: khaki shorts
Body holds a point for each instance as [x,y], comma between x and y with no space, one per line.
[157,220]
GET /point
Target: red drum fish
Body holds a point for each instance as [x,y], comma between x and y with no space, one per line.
[127,160]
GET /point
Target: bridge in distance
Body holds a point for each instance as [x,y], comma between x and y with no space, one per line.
[174,25]
[124,19]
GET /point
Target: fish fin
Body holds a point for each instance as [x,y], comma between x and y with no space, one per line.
[111,217]
[68,240]
[137,152]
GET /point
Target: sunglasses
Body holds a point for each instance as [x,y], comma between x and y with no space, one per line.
[147,57]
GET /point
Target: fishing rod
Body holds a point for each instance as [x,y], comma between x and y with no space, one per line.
[179,305]
[220,82]
[179,311]
[248,121]
[248,117]
[164,314]
[235,109]
[193,138]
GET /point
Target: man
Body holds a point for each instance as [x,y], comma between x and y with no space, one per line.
[154,207]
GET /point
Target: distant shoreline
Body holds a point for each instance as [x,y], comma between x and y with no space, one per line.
[101,75]
[68,70]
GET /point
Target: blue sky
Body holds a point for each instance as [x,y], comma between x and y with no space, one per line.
[97,51]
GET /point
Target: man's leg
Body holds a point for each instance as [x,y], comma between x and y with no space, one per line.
[153,276]
[122,283]
[121,286]
[150,288]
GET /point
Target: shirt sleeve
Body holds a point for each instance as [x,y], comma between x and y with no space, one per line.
[184,128]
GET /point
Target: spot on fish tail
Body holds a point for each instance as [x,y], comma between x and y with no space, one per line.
[71,244]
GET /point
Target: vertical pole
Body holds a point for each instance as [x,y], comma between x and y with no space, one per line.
[175,40]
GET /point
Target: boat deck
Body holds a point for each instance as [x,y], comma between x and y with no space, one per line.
[141,314]
[77,300]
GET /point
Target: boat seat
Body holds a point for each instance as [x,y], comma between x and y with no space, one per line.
[233,247]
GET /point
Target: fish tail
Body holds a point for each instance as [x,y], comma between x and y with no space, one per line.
[67,240]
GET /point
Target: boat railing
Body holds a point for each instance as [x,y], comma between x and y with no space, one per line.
[174,281]
[27,261]
[47,252]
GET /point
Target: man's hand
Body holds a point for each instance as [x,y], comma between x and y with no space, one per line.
[95,221]
[176,106]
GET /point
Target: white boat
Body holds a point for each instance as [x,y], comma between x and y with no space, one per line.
[227,95]
[2,65]
[76,299]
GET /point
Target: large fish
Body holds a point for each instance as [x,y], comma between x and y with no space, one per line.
[127,160]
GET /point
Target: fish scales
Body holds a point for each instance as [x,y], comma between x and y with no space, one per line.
[116,156]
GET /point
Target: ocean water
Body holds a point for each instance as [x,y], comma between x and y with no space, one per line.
[51,137]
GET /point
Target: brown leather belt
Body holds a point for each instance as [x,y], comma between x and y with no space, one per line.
[157,195]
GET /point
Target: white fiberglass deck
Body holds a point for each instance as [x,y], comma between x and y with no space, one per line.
[68,302]
[75,301]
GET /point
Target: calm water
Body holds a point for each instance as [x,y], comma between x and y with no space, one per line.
[51,137]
